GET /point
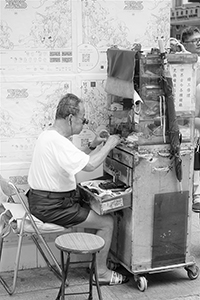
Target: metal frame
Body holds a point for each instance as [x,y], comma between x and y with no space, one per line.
[65,263]
[37,236]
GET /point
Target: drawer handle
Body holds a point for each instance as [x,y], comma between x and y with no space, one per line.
[164,154]
[119,155]
[162,169]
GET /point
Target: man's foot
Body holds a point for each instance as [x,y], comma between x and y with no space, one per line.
[114,279]
[196,207]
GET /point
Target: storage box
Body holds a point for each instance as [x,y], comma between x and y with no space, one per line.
[104,201]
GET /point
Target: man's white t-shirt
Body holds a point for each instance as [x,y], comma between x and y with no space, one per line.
[55,162]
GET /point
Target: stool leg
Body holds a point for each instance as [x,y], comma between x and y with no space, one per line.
[94,262]
[91,276]
[61,293]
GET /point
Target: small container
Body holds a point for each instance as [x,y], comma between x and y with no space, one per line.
[104,133]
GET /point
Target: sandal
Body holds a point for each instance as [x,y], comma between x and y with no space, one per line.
[116,278]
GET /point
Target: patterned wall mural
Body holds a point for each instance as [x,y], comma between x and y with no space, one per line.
[49,48]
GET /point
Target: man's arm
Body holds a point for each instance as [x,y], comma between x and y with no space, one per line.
[97,157]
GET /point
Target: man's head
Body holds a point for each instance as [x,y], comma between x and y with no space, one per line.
[71,111]
[190,38]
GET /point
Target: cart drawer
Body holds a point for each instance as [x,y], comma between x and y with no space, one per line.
[106,201]
[123,157]
[115,168]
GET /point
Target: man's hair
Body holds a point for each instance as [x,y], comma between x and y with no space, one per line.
[68,104]
[188,32]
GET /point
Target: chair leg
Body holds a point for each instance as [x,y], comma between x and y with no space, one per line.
[11,290]
[1,279]
[1,246]
[57,271]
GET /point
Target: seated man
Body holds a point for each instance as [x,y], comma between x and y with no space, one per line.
[53,196]
[191,40]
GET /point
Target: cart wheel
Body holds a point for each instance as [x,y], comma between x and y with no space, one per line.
[142,283]
[193,274]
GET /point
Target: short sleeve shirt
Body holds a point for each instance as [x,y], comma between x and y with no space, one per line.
[56,161]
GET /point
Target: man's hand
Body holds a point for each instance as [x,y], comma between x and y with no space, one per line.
[98,156]
[100,138]
[113,141]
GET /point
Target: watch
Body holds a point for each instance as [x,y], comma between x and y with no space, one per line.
[90,147]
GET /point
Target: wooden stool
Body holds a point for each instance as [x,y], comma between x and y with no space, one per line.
[79,243]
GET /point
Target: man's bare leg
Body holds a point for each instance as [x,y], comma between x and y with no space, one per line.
[104,225]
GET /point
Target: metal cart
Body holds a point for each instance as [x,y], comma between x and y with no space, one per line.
[152,230]
[154,234]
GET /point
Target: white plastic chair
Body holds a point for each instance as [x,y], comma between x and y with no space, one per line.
[27,224]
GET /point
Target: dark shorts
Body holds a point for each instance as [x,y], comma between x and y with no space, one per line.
[63,208]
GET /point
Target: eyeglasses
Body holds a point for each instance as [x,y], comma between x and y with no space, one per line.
[84,120]
[195,41]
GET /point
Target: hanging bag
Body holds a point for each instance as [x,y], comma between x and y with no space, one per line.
[197,156]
